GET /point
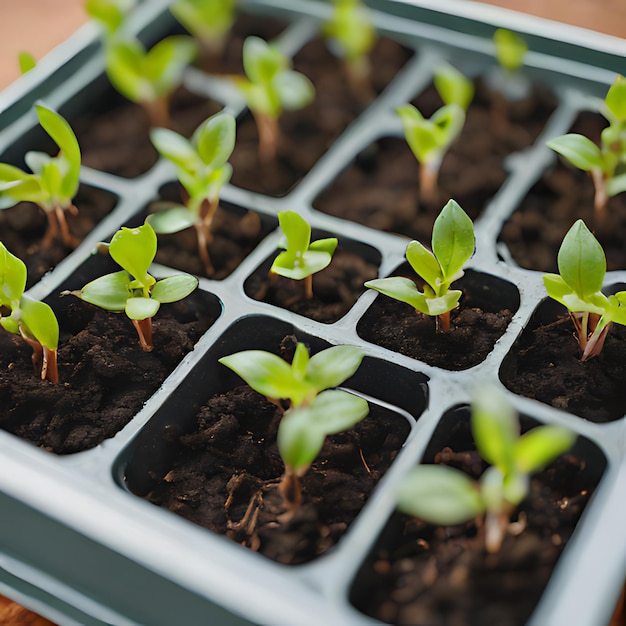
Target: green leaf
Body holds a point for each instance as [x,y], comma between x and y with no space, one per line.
[40,321]
[134,250]
[295,90]
[171,220]
[495,428]
[540,446]
[125,69]
[351,30]
[173,288]
[615,185]
[300,267]
[443,304]
[581,260]
[615,98]
[333,366]
[12,277]
[141,308]
[205,19]
[328,245]
[578,150]
[420,134]
[27,62]
[424,263]
[175,148]
[216,139]
[510,49]
[300,361]
[401,289]
[109,292]
[453,239]
[448,122]
[452,86]
[262,61]
[165,62]
[297,231]
[439,495]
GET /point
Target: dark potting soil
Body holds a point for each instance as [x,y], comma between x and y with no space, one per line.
[485,310]
[544,364]
[307,134]
[381,188]
[335,289]
[224,476]
[535,231]
[420,574]
[105,377]
[24,226]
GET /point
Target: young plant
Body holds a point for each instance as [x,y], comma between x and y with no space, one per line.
[26,61]
[301,258]
[443,495]
[510,50]
[269,87]
[315,409]
[132,289]
[578,285]
[149,77]
[429,140]
[606,163]
[209,21]
[54,181]
[453,86]
[203,170]
[110,14]
[32,320]
[453,244]
[351,35]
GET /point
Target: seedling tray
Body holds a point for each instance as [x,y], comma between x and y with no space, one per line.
[78,542]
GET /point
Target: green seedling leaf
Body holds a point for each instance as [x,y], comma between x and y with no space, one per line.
[615,98]
[141,308]
[165,62]
[215,140]
[350,29]
[535,449]
[134,249]
[579,150]
[174,288]
[510,49]
[294,90]
[176,148]
[453,87]
[331,367]
[171,220]
[109,292]
[402,289]
[439,495]
[26,61]
[12,277]
[40,322]
[207,20]
[111,14]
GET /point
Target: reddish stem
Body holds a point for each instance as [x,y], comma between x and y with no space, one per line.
[144,330]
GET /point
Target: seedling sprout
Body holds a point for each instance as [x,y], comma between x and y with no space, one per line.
[132,289]
[510,50]
[301,258]
[26,61]
[54,181]
[269,87]
[453,244]
[109,14]
[315,409]
[32,320]
[582,266]
[351,35]
[446,496]
[202,167]
[148,77]
[606,163]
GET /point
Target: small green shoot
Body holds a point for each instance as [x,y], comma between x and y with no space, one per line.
[301,257]
[149,77]
[202,168]
[316,409]
[209,21]
[443,495]
[453,86]
[109,14]
[453,244]
[510,50]
[429,140]
[54,181]
[32,320]
[27,62]
[606,163]
[582,266]
[351,35]
[132,289]
[269,87]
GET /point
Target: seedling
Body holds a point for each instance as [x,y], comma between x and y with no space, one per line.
[32,320]
[606,163]
[453,86]
[510,50]
[443,495]
[202,168]
[578,285]
[429,140]
[149,77]
[453,244]
[132,289]
[269,87]
[351,36]
[27,62]
[301,258]
[209,21]
[54,181]
[110,14]
[315,410]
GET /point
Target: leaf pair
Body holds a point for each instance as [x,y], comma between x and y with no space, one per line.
[350,30]
[207,20]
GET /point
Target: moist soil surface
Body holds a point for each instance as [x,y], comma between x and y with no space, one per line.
[486,308]
[381,188]
[420,574]
[24,226]
[105,377]
[544,364]
[535,230]
[224,476]
[335,289]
